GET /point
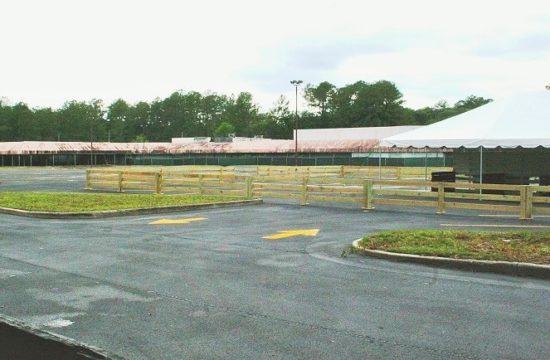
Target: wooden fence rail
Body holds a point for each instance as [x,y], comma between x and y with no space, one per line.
[343,171]
[524,200]
[160,182]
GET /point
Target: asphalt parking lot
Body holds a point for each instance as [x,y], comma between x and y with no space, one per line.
[42,179]
[213,287]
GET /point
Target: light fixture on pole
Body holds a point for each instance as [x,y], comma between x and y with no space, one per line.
[296,83]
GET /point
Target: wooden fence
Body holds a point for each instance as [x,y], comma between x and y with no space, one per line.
[385,172]
[192,182]
[361,172]
[309,186]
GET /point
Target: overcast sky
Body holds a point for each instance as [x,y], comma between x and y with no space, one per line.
[58,50]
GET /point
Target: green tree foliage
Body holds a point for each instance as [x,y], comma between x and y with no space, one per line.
[319,97]
[139,139]
[224,130]
[192,114]
[242,113]
[118,115]
[279,122]
[442,110]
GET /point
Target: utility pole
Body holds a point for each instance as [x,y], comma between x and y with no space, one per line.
[91,144]
[296,83]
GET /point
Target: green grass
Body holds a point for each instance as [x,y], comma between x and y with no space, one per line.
[533,247]
[80,202]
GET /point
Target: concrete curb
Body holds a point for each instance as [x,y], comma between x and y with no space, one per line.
[126,212]
[28,342]
[499,267]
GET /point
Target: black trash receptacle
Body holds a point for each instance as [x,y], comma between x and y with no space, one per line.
[445,176]
[544,180]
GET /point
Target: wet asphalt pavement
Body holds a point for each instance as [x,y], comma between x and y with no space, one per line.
[215,289]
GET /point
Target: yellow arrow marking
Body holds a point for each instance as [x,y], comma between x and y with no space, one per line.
[290,233]
[177,221]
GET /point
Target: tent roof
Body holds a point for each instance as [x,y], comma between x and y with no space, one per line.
[354,133]
[521,121]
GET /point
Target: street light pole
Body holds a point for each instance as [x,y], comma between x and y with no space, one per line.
[296,83]
[91,144]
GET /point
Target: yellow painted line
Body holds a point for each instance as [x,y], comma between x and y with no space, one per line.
[177,221]
[498,226]
[283,234]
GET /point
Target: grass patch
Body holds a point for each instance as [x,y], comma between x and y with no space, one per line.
[80,202]
[522,246]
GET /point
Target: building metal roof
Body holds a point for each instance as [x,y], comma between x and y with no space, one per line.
[55,147]
[200,147]
[240,147]
[333,141]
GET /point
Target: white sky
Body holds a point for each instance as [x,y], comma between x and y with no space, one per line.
[58,50]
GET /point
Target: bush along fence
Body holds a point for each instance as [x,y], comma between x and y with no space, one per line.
[307,186]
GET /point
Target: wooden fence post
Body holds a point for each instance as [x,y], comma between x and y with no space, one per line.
[248,187]
[526,202]
[120,181]
[529,202]
[342,171]
[88,180]
[158,182]
[303,200]
[201,188]
[440,198]
[367,195]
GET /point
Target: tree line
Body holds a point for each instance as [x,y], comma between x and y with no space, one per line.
[192,114]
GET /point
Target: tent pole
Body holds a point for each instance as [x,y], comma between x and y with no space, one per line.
[379,163]
[426,165]
[480,169]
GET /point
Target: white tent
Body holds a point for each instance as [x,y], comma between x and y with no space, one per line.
[521,121]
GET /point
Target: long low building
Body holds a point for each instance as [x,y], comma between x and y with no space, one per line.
[353,146]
